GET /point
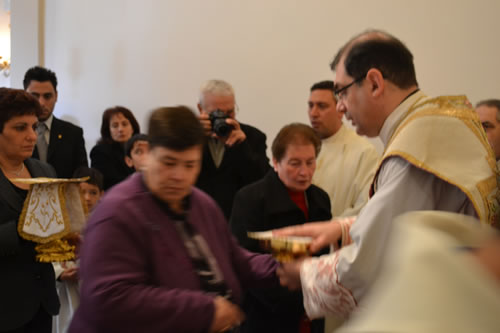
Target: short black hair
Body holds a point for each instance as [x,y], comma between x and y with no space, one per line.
[176,128]
[324,85]
[15,103]
[382,51]
[130,143]
[40,74]
[492,103]
[95,176]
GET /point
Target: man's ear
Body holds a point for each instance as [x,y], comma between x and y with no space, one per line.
[199,108]
[129,162]
[376,80]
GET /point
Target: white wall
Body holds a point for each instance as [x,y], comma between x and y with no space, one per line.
[24,39]
[144,54]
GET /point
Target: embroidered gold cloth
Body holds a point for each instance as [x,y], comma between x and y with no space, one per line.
[53,209]
[444,137]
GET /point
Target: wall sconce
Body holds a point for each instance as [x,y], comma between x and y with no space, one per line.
[5,66]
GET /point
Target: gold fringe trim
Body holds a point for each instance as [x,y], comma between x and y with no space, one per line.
[58,250]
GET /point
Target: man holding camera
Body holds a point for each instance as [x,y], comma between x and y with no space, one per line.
[234,154]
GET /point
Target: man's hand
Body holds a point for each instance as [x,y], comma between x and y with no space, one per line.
[69,274]
[207,125]
[236,135]
[226,316]
[289,274]
[322,233]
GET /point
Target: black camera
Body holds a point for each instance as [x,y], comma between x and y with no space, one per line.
[219,125]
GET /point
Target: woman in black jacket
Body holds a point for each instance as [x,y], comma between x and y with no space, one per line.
[108,156]
[284,197]
[28,296]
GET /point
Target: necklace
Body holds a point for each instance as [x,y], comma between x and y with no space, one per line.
[17,173]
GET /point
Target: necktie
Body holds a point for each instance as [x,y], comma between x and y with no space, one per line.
[41,142]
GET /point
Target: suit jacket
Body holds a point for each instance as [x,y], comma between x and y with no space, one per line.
[266,205]
[109,159]
[241,165]
[66,151]
[25,284]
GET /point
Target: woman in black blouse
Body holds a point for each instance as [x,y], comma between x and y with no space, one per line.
[28,297]
[108,156]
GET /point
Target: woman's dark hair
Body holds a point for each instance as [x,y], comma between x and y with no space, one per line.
[16,102]
[295,133]
[95,176]
[106,120]
[176,128]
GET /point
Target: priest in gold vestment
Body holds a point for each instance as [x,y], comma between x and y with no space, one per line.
[436,158]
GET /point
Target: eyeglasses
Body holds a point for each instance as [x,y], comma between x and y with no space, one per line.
[229,112]
[342,92]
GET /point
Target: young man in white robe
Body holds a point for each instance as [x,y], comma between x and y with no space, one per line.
[347,162]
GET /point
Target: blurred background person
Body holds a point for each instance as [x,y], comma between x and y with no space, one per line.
[234,154]
[136,152]
[67,279]
[489,114]
[28,297]
[284,197]
[93,188]
[60,143]
[108,156]
[158,254]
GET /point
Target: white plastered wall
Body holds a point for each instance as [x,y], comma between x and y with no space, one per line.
[149,53]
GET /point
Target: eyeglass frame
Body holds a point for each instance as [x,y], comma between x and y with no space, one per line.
[337,93]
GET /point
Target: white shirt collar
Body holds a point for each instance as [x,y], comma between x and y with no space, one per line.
[393,120]
[48,122]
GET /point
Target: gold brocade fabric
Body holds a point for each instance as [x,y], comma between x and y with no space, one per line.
[53,208]
[55,251]
[444,137]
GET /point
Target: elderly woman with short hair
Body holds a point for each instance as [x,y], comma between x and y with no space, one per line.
[284,197]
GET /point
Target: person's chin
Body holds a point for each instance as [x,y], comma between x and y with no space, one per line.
[302,186]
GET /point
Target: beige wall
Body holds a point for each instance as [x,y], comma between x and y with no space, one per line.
[143,54]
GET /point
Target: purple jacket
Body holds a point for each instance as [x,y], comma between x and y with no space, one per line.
[136,274]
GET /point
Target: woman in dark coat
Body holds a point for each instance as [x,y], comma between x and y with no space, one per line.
[28,297]
[284,197]
[108,156]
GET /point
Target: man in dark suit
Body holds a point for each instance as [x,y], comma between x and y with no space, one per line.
[59,143]
[230,160]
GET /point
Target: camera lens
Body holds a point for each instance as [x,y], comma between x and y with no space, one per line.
[219,125]
[221,128]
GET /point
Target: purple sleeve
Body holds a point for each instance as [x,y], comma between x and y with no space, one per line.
[117,294]
[254,270]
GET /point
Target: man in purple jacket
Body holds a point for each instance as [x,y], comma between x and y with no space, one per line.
[157,253]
